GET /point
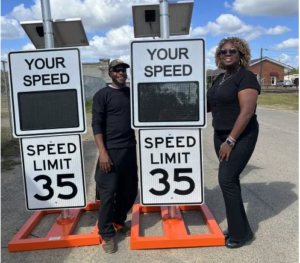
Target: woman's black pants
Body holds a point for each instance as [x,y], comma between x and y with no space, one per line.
[229,180]
[117,189]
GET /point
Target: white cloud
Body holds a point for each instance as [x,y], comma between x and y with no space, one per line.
[289,43]
[22,13]
[96,15]
[289,60]
[253,35]
[224,24]
[125,58]
[228,22]
[113,45]
[210,58]
[198,31]
[211,52]
[266,7]
[120,36]
[28,46]
[278,30]
[209,64]
[227,5]
[4,56]
[10,28]
[231,25]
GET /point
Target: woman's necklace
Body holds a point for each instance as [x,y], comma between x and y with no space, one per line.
[228,76]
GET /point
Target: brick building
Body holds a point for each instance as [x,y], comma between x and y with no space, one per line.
[272,70]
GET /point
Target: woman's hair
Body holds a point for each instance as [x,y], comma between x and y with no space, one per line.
[241,45]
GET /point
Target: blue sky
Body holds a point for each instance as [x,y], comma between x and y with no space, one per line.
[268,24]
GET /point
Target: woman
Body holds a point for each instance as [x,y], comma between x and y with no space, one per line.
[232,100]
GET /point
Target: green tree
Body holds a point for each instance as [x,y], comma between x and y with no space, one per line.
[209,78]
[294,71]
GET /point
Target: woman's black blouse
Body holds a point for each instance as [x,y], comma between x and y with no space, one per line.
[223,99]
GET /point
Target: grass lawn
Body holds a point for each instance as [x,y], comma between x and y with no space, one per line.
[9,145]
[7,165]
[280,101]
[88,106]
[287,101]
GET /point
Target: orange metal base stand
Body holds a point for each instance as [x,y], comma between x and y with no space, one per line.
[175,234]
[60,235]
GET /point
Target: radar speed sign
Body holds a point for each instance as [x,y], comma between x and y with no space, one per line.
[168,83]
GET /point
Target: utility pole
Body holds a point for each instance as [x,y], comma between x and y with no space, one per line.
[260,67]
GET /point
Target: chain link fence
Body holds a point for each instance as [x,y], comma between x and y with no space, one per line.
[91,86]
[9,145]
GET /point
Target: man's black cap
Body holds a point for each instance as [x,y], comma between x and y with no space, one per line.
[118,62]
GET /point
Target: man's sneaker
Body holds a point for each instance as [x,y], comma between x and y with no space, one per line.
[108,246]
[125,230]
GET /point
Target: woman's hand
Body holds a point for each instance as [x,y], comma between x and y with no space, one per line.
[225,151]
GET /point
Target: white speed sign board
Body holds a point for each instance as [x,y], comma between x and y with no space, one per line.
[53,172]
[168,83]
[46,92]
[171,167]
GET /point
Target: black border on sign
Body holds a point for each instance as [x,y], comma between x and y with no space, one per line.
[54,208]
[171,204]
[12,96]
[132,85]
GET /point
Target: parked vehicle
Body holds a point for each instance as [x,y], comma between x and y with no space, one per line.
[284,83]
[296,82]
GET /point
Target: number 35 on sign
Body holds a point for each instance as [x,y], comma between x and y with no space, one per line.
[53,172]
[171,167]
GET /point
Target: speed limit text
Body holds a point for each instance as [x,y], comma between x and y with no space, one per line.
[170,142]
[57,149]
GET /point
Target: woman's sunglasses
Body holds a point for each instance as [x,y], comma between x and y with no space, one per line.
[231,51]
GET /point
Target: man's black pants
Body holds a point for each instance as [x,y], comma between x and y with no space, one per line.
[229,180]
[117,190]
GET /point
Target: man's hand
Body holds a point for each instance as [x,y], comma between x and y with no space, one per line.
[105,161]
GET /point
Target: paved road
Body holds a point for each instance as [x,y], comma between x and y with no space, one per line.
[270,191]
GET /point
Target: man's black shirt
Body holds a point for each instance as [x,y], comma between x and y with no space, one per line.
[111,117]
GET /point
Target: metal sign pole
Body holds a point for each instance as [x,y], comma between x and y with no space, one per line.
[49,43]
[47,23]
[165,34]
[164,19]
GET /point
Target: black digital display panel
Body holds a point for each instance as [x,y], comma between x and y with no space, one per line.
[43,110]
[168,102]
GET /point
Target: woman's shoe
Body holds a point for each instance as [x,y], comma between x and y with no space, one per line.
[236,244]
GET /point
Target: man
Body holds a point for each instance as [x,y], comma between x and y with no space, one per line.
[117,178]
